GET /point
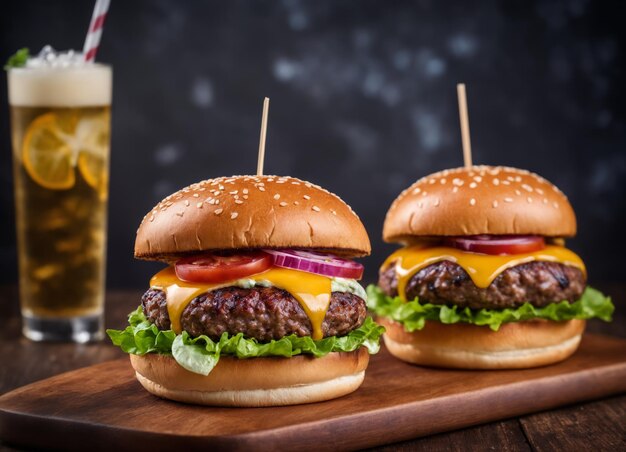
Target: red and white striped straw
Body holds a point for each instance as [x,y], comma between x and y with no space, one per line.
[92,40]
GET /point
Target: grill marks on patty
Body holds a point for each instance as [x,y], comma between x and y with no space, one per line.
[539,283]
[264,313]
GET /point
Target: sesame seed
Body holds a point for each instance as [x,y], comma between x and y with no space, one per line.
[236,197]
[333,212]
[529,199]
[518,179]
[442,181]
[234,192]
[432,181]
[306,197]
[424,193]
[218,211]
[296,183]
[478,179]
[282,204]
[238,201]
[217,192]
[276,196]
[508,199]
[510,178]
[506,182]
[180,214]
[245,191]
[496,181]
[458,182]
[307,185]
[556,206]
[518,193]
[195,195]
[545,200]
[217,201]
[472,202]
[437,202]
[234,215]
[494,204]
[152,218]
[245,196]
[221,187]
[417,190]
[420,204]
[317,209]
[472,185]
[186,202]
[539,190]
[527,187]
[199,205]
[455,189]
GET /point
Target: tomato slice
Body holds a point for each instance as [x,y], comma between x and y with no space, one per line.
[218,268]
[497,244]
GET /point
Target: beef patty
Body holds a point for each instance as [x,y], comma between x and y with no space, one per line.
[539,283]
[264,313]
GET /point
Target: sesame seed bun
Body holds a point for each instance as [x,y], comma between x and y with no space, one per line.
[241,212]
[255,382]
[479,200]
[516,345]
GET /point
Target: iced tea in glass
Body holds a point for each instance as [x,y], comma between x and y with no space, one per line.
[60,129]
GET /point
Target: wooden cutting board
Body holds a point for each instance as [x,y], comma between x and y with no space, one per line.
[103,407]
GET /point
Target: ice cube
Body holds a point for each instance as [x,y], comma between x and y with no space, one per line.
[49,57]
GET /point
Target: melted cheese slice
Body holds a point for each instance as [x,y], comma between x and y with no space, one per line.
[482,268]
[312,292]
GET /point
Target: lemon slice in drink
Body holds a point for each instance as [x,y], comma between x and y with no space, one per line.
[47,154]
[55,143]
[92,137]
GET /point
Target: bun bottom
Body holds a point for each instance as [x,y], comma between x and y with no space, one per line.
[517,345]
[254,382]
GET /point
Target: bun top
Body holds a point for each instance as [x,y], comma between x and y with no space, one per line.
[479,200]
[243,212]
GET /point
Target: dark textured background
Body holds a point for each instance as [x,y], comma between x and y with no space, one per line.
[363,102]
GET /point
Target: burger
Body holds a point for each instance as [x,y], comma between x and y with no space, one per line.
[259,304]
[484,280]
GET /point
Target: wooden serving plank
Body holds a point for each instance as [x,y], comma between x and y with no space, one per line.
[103,407]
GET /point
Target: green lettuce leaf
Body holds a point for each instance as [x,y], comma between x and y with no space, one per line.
[201,354]
[413,314]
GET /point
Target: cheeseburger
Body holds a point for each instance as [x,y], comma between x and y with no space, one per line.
[259,304]
[484,280]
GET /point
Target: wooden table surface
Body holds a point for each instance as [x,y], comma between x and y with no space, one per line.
[597,425]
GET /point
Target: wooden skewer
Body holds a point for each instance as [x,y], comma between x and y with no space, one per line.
[262,139]
[465,133]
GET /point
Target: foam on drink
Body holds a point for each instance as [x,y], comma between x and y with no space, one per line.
[60,80]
